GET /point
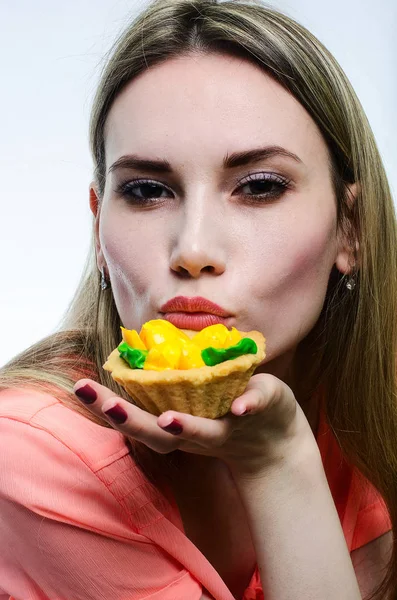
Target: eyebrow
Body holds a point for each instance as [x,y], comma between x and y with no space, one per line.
[236,159]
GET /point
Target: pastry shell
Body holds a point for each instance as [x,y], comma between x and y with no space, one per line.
[204,392]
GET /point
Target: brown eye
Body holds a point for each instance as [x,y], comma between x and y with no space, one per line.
[149,192]
[264,186]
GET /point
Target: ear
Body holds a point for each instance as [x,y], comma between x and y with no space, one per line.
[347,254]
[95,207]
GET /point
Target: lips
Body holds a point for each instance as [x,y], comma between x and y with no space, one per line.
[194,313]
[183,304]
[195,321]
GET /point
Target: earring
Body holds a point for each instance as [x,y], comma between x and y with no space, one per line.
[351,283]
[104,283]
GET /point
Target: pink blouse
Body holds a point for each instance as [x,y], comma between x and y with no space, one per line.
[80,521]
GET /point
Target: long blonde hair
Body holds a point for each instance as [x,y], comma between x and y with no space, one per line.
[351,350]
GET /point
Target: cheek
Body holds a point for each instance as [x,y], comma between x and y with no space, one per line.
[291,283]
[306,259]
[293,291]
[129,252]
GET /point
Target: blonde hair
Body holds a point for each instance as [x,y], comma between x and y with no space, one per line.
[351,350]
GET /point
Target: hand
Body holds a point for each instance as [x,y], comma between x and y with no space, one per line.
[249,443]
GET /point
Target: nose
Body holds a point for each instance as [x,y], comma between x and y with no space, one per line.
[199,240]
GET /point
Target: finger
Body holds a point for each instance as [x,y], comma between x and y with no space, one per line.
[93,394]
[261,389]
[139,424]
[208,433]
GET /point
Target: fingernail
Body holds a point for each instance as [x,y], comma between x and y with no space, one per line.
[86,394]
[116,414]
[174,427]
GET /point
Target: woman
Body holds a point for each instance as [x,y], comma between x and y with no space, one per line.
[232,161]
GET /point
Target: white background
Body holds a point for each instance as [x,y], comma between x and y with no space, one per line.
[50,58]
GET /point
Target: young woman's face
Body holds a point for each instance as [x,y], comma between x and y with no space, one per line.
[258,238]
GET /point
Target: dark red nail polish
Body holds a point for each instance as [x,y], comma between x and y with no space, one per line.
[174,427]
[117,414]
[86,394]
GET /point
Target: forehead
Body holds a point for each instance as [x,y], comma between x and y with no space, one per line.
[205,106]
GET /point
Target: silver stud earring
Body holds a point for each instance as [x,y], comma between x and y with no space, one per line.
[104,283]
[351,283]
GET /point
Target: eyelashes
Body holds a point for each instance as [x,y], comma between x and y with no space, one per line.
[269,186]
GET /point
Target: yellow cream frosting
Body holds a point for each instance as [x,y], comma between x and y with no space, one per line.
[170,348]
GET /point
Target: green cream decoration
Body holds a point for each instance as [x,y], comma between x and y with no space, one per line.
[134,357]
[213,356]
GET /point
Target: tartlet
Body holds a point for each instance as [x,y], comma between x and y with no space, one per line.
[205,391]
